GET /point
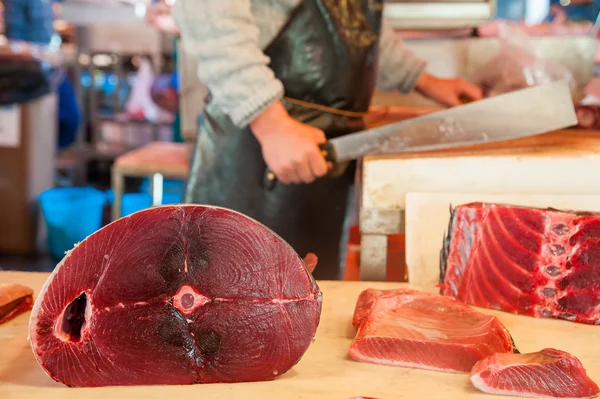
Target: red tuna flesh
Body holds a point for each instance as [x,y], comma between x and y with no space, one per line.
[547,374]
[535,262]
[404,327]
[176,295]
[14,300]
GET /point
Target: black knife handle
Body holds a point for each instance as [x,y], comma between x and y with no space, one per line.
[327,151]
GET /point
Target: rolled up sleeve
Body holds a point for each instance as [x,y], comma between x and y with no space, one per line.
[224,39]
[399,68]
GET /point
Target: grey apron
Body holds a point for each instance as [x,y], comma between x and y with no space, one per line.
[326,58]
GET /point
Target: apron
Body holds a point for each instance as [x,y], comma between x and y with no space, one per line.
[326,58]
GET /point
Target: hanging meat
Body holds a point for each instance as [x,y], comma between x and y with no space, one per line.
[176,295]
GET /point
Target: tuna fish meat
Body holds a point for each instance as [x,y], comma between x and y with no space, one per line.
[405,327]
[176,295]
[14,300]
[535,262]
[549,373]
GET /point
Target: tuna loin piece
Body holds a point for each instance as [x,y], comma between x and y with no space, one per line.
[535,262]
[14,300]
[547,374]
[409,328]
[176,295]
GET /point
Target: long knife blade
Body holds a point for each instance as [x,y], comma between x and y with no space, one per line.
[518,114]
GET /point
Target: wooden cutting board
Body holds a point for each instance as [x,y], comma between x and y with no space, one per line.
[325,372]
[427,216]
[562,162]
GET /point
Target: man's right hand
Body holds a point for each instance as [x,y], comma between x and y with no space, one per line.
[290,148]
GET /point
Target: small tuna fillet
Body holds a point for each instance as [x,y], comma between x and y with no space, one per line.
[409,328]
[14,300]
[547,374]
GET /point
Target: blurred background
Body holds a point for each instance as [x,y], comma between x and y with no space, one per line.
[99,103]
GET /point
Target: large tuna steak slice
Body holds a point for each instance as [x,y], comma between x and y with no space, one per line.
[549,373]
[535,262]
[176,295]
[404,327]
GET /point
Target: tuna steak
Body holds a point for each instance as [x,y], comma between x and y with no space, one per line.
[535,262]
[409,328]
[176,295]
[14,300]
[547,374]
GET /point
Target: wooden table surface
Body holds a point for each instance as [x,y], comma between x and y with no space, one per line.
[326,371]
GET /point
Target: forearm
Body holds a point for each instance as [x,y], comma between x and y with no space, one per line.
[399,67]
[222,36]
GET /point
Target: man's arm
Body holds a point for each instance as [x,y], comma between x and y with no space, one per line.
[399,68]
[223,37]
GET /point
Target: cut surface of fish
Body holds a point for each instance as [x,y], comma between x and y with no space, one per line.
[176,295]
[404,327]
[535,262]
[15,299]
[550,373]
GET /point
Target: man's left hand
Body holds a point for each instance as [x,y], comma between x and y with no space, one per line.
[447,92]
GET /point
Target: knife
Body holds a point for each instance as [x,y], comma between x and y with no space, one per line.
[518,114]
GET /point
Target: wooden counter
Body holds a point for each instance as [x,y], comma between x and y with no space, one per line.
[326,371]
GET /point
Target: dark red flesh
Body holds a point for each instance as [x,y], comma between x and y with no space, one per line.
[176,295]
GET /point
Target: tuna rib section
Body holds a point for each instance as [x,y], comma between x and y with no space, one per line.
[535,262]
[176,295]
[549,373]
[409,328]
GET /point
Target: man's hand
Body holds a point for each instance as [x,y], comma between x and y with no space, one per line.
[290,148]
[447,91]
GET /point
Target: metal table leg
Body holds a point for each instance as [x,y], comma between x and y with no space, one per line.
[156,189]
[118,187]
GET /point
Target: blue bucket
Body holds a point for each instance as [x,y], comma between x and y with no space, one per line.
[71,215]
[134,202]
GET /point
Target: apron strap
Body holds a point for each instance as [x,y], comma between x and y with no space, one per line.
[334,111]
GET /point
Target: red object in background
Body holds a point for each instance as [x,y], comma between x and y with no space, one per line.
[588,116]
[396,258]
